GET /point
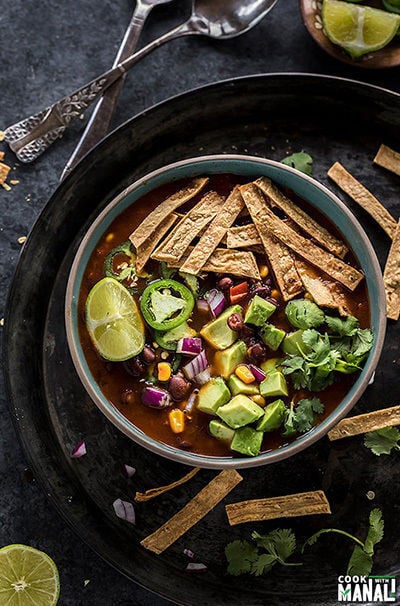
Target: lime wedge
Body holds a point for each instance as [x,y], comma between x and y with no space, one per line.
[358,29]
[113,321]
[28,577]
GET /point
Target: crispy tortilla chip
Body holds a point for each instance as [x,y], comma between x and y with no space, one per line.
[391,277]
[224,260]
[153,221]
[283,267]
[144,250]
[4,170]
[324,291]
[362,197]
[243,236]
[193,512]
[302,219]
[173,247]
[371,421]
[2,154]
[214,234]
[388,158]
[156,492]
[290,506]
[268,224]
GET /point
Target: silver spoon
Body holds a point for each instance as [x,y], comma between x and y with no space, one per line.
[100,120]
[220,19]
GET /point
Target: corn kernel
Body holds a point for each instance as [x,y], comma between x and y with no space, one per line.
[259,399]
[244,373]
[110,237]
[264,271]
[176,420]
[163,371]
[275,293]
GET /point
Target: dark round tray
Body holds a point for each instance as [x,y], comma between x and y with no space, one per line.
[267,115]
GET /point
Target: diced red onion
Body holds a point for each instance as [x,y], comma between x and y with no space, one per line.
[79,450]
[189,346]
[191,401]
[196,366]
[203,377]
[216,301]
[196,567]
[154,397]
[189,553]
[257,372]
[130,471]
[125,511]
[202,305]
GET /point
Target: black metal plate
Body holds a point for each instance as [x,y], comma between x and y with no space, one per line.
[332,119]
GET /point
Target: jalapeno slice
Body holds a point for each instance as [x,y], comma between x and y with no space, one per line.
[166,304]
[127,271]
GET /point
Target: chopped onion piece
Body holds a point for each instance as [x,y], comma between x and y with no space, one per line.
[257,372]
[191,401]
[130,471]
[125,511]
[79,450]
[216,301]
[154,397]
[196,567]
[196,366]
[202,305]
[189,346]
[189,553]
[203,377]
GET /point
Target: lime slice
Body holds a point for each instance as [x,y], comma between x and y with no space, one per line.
[28,577]
[358,29]
[113,321]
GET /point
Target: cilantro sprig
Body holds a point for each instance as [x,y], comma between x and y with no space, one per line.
[383,441]
[300,160]
[302,417]
[261,556]
[361,560]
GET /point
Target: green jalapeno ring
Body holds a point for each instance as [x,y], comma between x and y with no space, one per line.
[177,291]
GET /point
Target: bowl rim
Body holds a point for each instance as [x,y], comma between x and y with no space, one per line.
[194,459]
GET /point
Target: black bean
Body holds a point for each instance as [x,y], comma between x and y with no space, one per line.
[178,388]
[235,322]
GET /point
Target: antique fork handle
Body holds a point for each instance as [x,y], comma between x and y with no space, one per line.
[30,137]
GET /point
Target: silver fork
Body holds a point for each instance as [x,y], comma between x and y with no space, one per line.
[100,120]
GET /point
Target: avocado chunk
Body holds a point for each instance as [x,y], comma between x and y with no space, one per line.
[274,385]
[247,441]
[236,386]
[259,311]
[226,361]
[221,431]
[217,332]
[292,341]
[273,416]
[271,364]
[272,336]
[212,395]
[240,411]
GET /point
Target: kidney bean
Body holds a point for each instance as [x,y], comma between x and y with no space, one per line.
[178,387]
[148,355]
[225,283]
[235,322]
[256,353]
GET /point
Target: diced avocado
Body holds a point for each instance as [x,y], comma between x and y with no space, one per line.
[247,441]
[292,341]
[273,416]
[217,332]
[240,411]
[226,361]
[274,385]
[236,386]
[259,311]
[271,365]
[219,430]
[272,336]
[212,395]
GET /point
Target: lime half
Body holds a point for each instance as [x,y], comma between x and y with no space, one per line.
[358,29]
[28,577]
[113,321]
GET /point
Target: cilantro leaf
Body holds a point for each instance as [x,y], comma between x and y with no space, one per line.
[360,563]
[382,441]
[375,532]
[289,421]
[166,271]
[343,328]
[284,541]
[263,564]
[304,413]
[362,342]
[303,313]
[300,160]
[240,556]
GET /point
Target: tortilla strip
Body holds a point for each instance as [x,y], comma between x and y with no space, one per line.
[391,277]
[371,421]
[152,222]
[144,250]
[324,292]
[290,506]
[4,170]
[193,511]
[388,158]
[302,219]
[156,492]
[227,260]
[267,223]
[243,236]
[214,234]
[189,227]
[362,197]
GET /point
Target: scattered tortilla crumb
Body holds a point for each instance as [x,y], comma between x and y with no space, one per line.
[2,135]
[21,239]
[6,186]
[388,158]
[2,322]
[86,582]
[4,170]
[14,181]
[1,155]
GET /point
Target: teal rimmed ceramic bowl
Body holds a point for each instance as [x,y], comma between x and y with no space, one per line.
[317,196]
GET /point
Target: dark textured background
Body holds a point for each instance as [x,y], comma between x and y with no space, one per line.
[47,49]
